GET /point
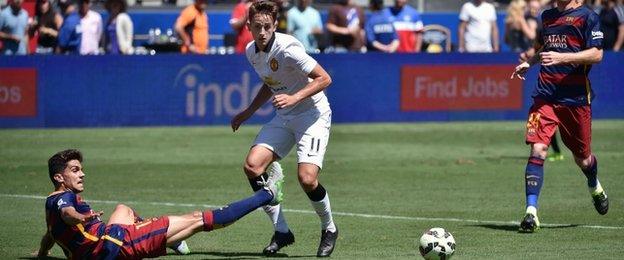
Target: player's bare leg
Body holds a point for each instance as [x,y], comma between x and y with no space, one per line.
[589,166]
[122,215]
[257,161]
[256,164]
[184,226]
[127,216]
[534,178]
[319,198]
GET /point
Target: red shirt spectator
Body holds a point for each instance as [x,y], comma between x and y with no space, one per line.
[239,25]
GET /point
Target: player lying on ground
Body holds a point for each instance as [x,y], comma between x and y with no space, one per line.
[569,43]
[74,226]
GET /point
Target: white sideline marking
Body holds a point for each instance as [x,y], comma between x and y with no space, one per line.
[460,220]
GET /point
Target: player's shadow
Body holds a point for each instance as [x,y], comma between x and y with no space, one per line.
[244,255]
[514,227]
[37,258]
[508,157]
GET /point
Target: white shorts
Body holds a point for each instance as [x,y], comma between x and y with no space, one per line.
[309,131]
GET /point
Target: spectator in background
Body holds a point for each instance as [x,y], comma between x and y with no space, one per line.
[192,27]
[119,28]
[45,26]
[346,26]
[91,27]
[238,22]
[478,31]
[408,25]
[70,35]
[380,33]
[13,29]
[519,32]
[612,23]
[282,15]
[304,22]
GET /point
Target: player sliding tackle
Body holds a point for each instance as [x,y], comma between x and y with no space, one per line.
[570,42]
[74,226]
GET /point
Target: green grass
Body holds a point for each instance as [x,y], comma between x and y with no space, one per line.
[464,171]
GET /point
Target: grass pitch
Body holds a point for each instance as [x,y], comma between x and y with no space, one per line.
[387,183]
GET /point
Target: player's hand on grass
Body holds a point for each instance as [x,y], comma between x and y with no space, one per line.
[521,70]
[40,254]
[550,58]
[284,100]
[238,120]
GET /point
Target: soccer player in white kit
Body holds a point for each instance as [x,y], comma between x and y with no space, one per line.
[294,82]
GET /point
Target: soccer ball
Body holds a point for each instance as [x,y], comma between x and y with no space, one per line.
[437,243]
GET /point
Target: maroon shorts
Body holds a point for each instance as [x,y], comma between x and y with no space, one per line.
[145,239]
[574,126]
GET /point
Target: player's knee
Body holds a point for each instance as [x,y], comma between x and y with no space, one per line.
[122,207]
[584,163]
[307,181]
[539,150]
[253,169]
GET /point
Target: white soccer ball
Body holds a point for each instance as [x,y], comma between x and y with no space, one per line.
[437,243]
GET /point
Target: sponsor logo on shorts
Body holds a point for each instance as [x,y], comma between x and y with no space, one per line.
[533,123]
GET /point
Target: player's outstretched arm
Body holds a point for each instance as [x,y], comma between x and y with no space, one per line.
[320,81]
[262,97]
[47,242]
[590,56]
[72,217]
[528,60]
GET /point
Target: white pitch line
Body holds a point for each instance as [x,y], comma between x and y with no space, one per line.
[460,220]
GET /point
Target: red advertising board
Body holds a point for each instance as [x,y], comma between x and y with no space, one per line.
[18,92]
[459,87]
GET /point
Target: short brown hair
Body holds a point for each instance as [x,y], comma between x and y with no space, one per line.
[58,162]
[263,7]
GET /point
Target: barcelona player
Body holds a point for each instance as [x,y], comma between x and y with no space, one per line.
[74,226]
[294,82]
[569,43]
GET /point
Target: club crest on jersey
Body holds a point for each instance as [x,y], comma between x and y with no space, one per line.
[569,19]
[273,64]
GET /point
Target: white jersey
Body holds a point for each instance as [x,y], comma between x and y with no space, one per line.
[478,33]
[285,70]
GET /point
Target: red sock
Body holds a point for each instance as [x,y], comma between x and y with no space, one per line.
[208,222]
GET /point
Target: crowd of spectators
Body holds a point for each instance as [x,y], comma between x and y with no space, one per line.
[72,27]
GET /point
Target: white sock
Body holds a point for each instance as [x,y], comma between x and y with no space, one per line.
[532,210]
[277,217]
[323,209]
[597,189]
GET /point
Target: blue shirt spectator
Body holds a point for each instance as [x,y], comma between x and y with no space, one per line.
[304,22]
[380,32]
[70,34]
[13,26]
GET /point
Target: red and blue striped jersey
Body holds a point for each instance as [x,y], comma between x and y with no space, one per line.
[407,23]
[77,241]
[568,31]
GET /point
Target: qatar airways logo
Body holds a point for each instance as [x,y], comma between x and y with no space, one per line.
[556,41]
[205,98]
